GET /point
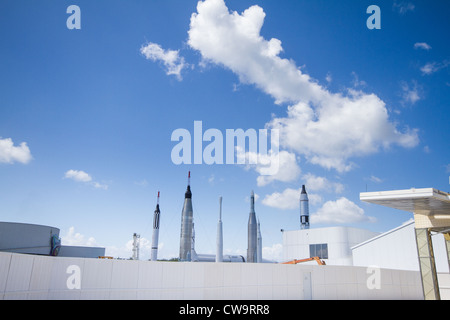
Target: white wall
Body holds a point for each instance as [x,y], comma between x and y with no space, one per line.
[397,249]
[43,277]
[339,239]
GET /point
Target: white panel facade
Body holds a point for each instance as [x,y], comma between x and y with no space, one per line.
[43,277]
[397,249]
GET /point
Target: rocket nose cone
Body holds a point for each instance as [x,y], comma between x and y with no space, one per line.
[188,193]
[303,189]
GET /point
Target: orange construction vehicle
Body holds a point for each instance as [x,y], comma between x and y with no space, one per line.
[319,262]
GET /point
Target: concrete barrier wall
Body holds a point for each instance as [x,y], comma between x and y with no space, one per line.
[42,277]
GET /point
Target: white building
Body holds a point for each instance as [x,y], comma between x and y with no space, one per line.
[397,249]
[402,248]
[333,244]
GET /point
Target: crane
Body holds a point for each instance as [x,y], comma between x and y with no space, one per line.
[319,262]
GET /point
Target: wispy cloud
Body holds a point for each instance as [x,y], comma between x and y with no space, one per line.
[172,61]
[432,67]
[447,168]
[411,93]
[402,7]
[141,183]
[422,45]
[81,176]
[356,82]
[375,179]
[9,153]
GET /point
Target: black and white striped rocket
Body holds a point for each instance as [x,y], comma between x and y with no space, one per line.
[155,236]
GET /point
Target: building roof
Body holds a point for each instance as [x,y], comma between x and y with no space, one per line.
[426,201]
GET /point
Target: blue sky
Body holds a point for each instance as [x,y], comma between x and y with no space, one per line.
[86,115]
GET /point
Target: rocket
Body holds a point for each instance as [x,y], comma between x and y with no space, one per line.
[194,256]
[187,217]
[304,209]
[219,240]
[252,232]
[259,244]
[155,231]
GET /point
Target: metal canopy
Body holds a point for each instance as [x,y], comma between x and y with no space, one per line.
[431,210]
[426,201]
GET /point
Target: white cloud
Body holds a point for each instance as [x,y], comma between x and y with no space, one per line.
[78,175]
[314,198]
[403,7]
[341,211]
[422,45]
[233,41]
[316,183]
[171,59]
[81,176]
[375,179]
[410,94]
[10,153]
[100,185]
[271,165]
[356,82]
[429,68]
[327,128]
[341,128]
[273,253]
[432,67]
[73,238]
[288,169]
[289,199]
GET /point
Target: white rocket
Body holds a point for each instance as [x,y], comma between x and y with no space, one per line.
[304,209]
[259,245]
[252,232]
[136,240]
[155,236]
[219,240]
[194,256]
[187,216]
